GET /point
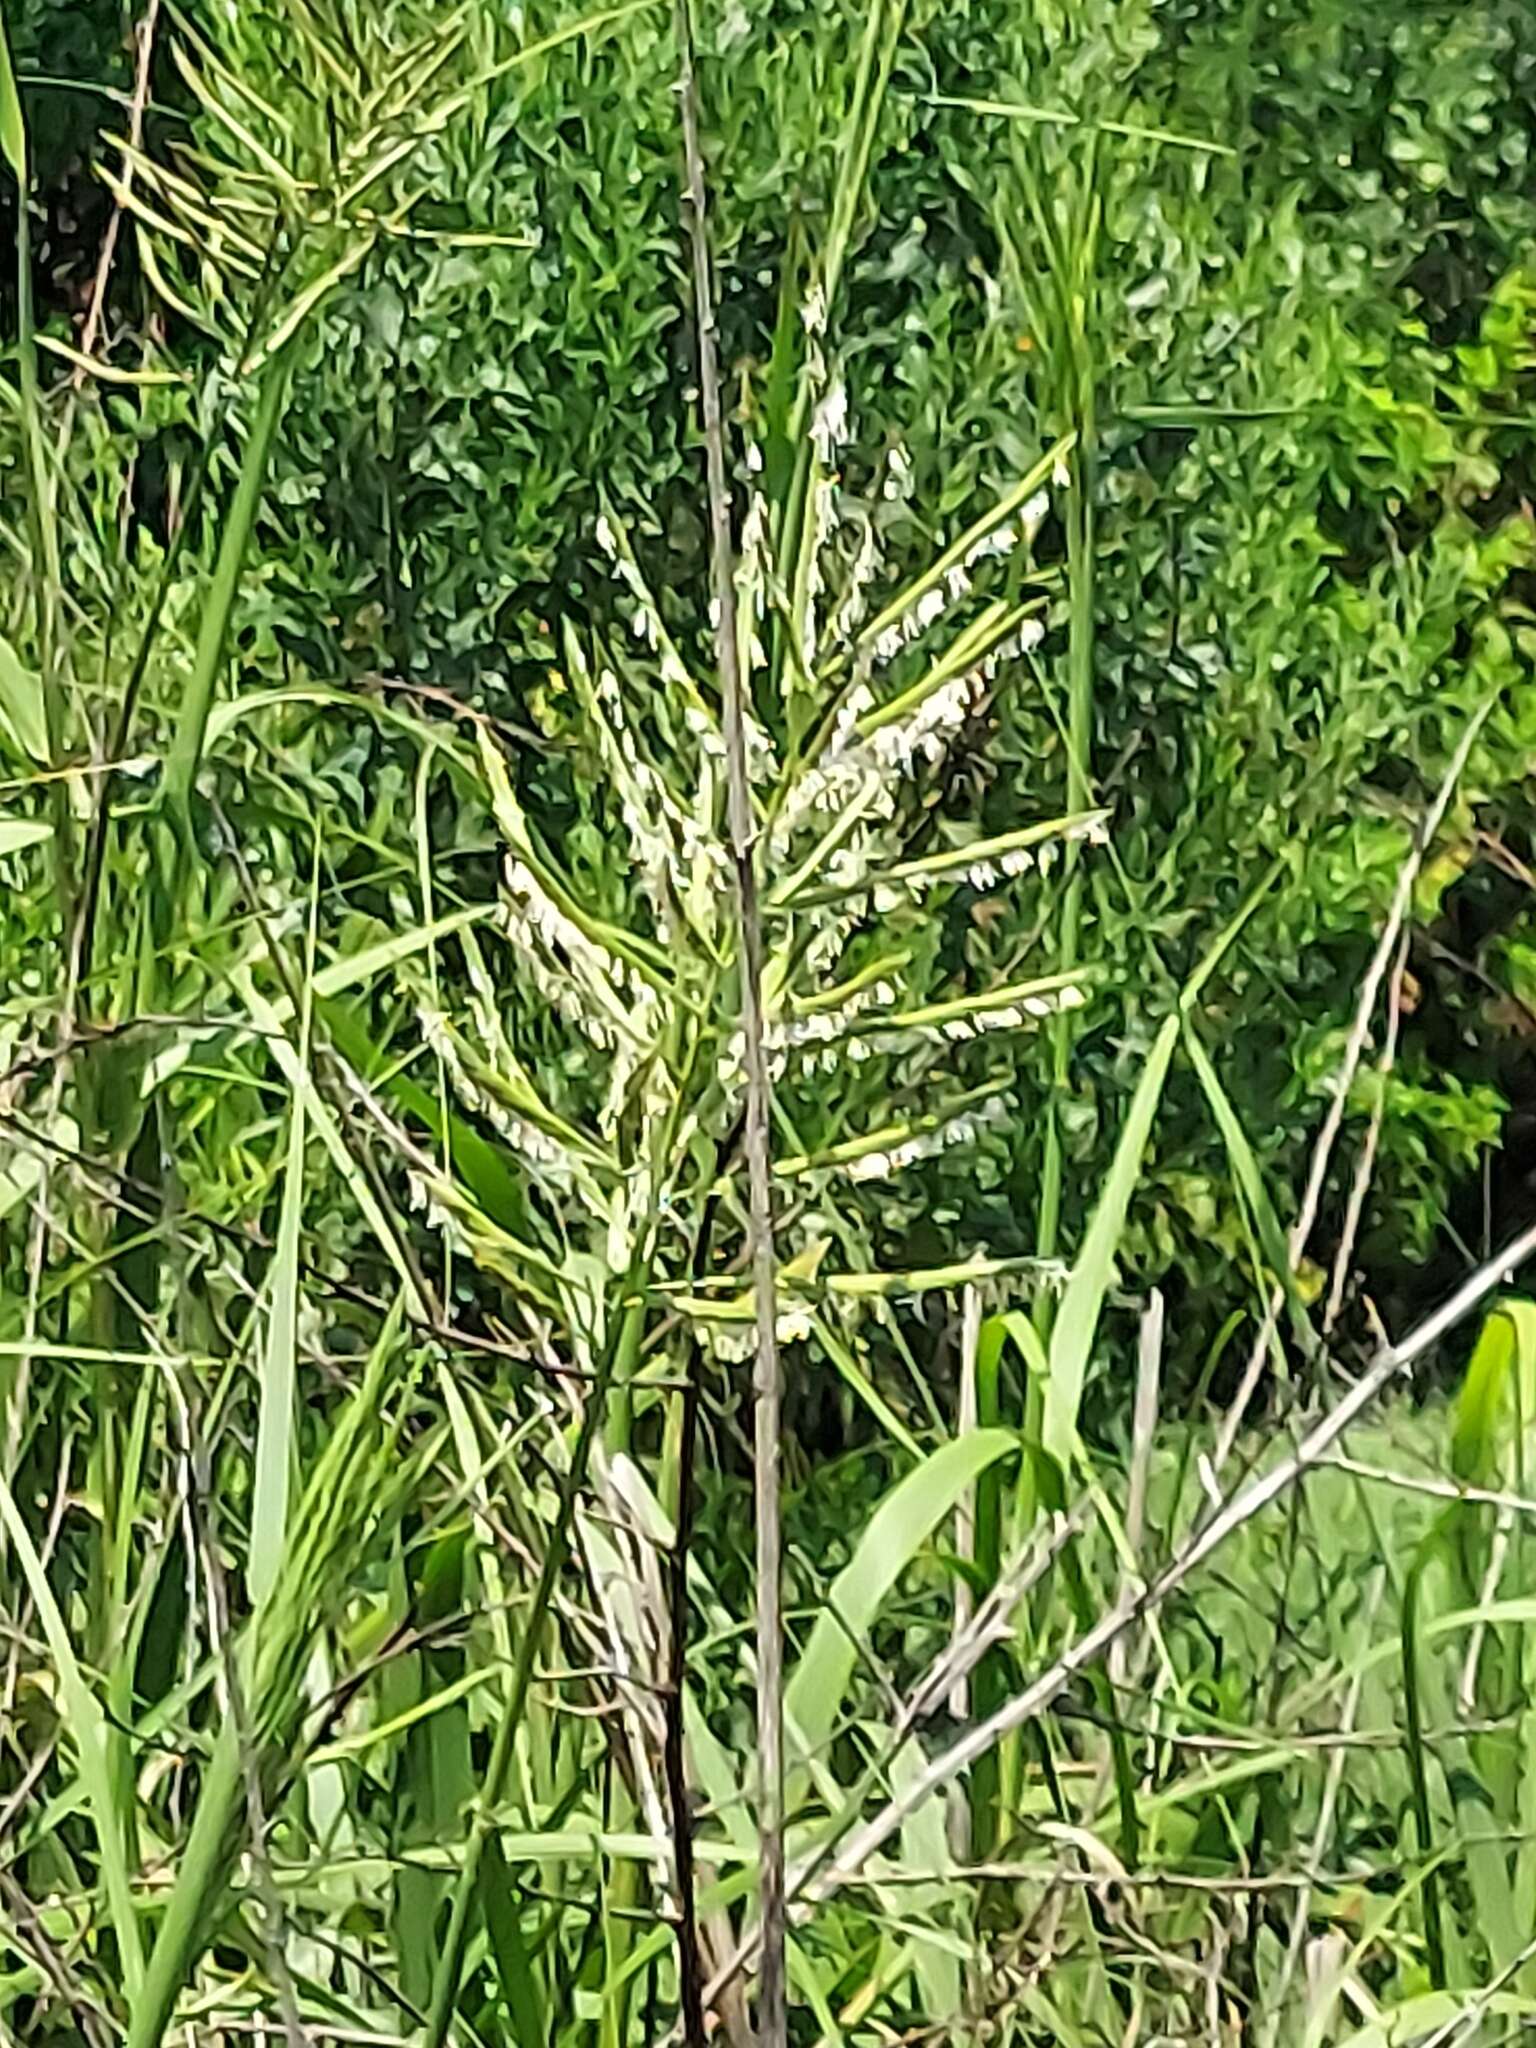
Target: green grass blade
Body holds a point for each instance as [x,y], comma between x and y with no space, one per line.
[186,751]
[179,1935]
[1249,1176]
[84,1717]
[47,579]
[500,1898]
[13,129]
[318,1111]
[16,834]
[897,1531]
[22,712]
[615,1369]
[864,1389]
[1417,1753]
[275,1425]
[1078,1320]
[1061,117]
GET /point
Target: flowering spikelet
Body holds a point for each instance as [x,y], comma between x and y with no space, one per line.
[963,1129]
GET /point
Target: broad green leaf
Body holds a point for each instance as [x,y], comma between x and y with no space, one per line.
[83,1717]
[897,1531]
[16,834]
[21,703]
[13,130]
[275,1451]
[1488,1407]
[1487,1449]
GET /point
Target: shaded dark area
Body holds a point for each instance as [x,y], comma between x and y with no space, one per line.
[69,60]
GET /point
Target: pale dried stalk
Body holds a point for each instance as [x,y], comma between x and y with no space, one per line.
[1498,1550]
[1461,2026]
[144,37]
[1349,1066]
[1365,1166]
[1149,1366]
[991,1624]
[767,1383]
[1436,1489]
[966,1418]
[1237,1509]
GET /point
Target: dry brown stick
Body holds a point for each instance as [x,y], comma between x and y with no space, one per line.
[1354,1050]
[690,1960]
[767,1386]
[145,37]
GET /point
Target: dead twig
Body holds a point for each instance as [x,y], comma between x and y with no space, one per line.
[767,1387]
[1349,1066]
[1365,1165]
[144,37]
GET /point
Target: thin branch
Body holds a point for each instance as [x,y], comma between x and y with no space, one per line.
[1365,1166]
[767,1384]
[1436,1489]
[1393,1361]
[1354,1049]
[31,1938]
[690,1966]
[144,36]
[1462,2024]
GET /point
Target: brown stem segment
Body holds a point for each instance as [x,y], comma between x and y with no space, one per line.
[767,1383]
[690,1964]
